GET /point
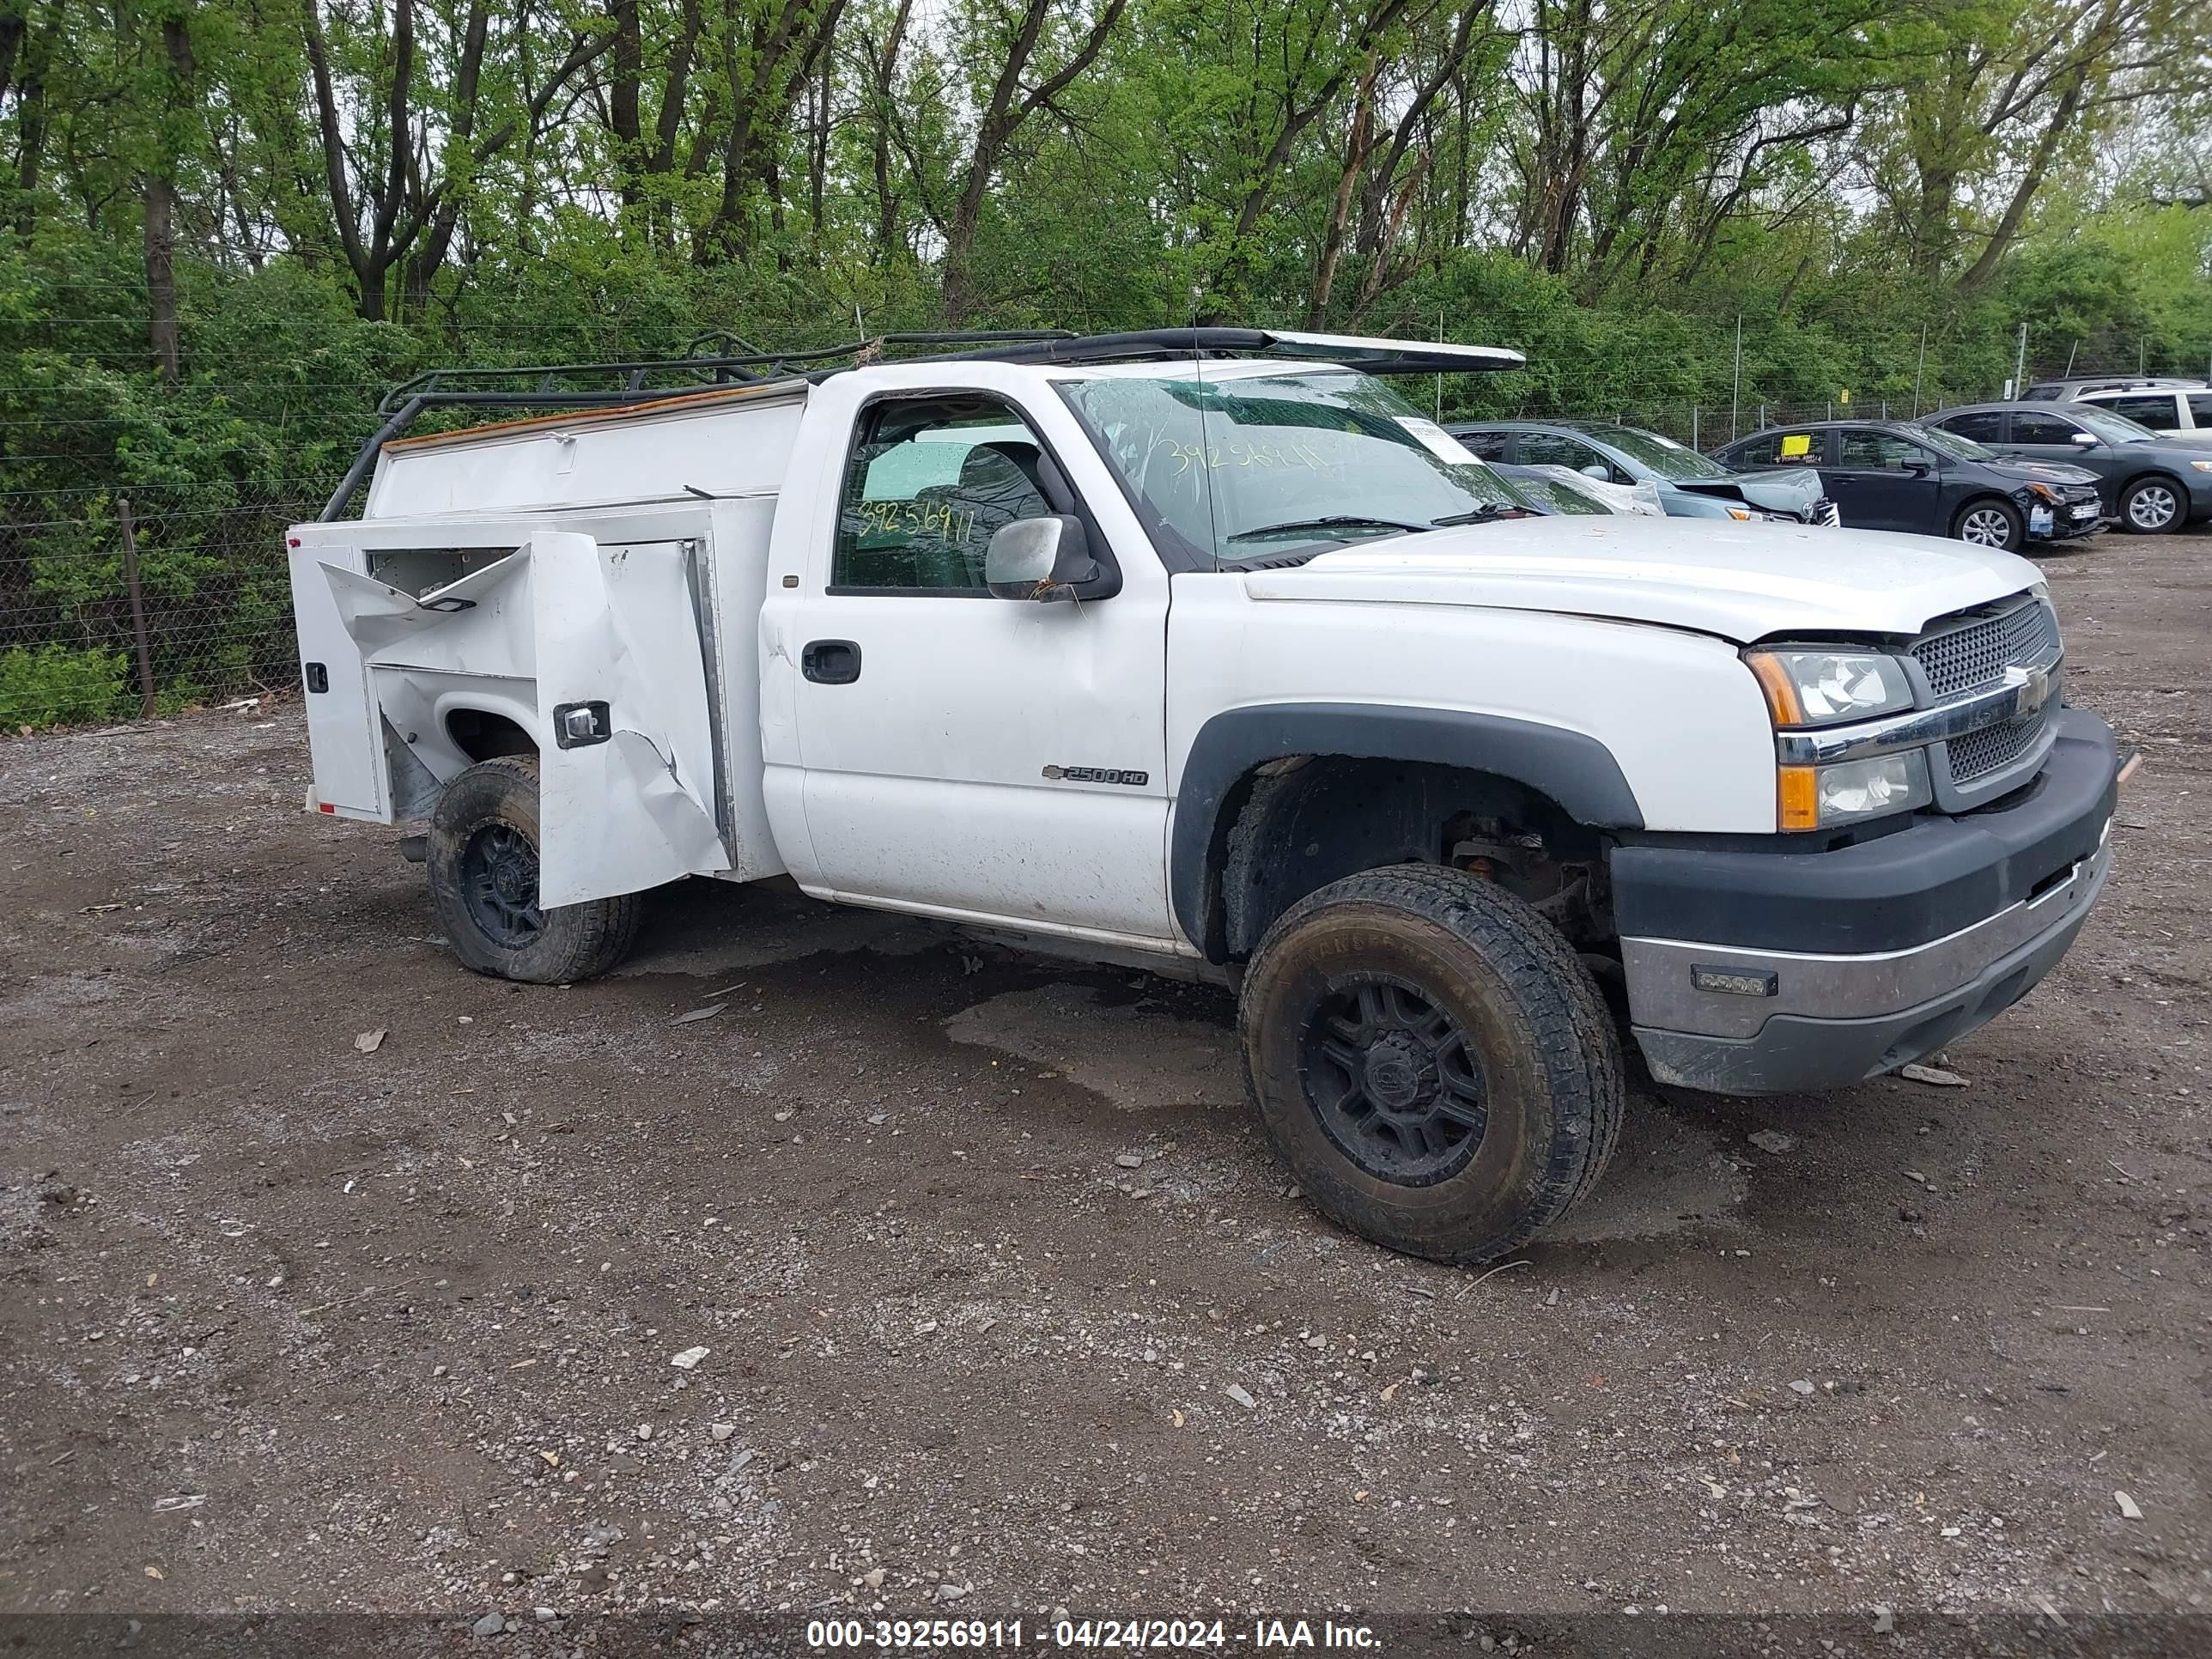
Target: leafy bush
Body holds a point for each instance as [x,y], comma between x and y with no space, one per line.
[55,685]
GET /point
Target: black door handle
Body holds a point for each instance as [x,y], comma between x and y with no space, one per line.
[830,662]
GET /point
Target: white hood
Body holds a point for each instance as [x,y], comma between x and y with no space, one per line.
[1741,581]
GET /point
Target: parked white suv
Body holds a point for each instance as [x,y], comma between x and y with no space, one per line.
[1205,647]
[2173,407]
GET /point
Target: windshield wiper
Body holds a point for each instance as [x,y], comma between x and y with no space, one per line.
[1482,514]
[1333,521]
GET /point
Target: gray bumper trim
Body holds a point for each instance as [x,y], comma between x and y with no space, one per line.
[1837,1020]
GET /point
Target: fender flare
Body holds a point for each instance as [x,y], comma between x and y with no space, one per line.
[1572,768]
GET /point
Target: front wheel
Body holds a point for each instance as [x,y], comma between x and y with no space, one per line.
[1990,524]
[1431,1059]
[483,862]
[2150,505]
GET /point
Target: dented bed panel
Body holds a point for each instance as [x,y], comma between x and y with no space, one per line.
[422,618]
[626,779]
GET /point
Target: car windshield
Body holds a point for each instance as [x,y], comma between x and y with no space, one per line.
[1662,455]
[2112,428]
[1551,488]
[1950,443]
[1244,466]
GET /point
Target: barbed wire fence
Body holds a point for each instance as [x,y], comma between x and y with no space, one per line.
[128,602]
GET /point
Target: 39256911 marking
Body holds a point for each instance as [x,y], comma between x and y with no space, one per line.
[921,1635]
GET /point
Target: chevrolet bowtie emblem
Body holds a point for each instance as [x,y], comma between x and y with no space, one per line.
[2035,685]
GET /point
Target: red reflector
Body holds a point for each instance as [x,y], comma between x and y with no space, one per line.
[324,806]
[291,541]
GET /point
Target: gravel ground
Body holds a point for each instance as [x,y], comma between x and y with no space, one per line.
[923,1275]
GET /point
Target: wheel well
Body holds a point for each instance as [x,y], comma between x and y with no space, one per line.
[2155,475]
[1295,824]
[482,735]
[1982,500]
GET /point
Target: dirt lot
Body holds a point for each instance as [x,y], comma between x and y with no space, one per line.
[288,1326]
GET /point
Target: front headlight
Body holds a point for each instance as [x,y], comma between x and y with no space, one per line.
[1820,687]
[1821,797]
[2044,492]
[2202,466]
[1752,514]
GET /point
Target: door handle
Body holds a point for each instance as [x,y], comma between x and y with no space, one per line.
[830,662]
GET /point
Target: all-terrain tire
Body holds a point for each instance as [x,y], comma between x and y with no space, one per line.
[1528,1026]
[481,858]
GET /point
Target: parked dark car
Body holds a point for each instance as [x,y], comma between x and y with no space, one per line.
[1899,474]
[2150,483]
[1691,485]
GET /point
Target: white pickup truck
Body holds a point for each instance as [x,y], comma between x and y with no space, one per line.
[1204,646]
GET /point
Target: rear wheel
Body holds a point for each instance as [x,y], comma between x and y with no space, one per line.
[481,858]
[1431,1059]
[2149,505]
[1990,522]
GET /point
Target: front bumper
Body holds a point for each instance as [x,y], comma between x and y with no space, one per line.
[2083,514]
[1769,972]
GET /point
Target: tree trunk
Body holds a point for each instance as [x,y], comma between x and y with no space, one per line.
[1356,150]
[623,114]
[1002,118]
[161,199]
[15,17]
[31,122]
[161,215]
[886,75]
[2030,181]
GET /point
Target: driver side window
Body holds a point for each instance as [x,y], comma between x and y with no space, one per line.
[928,483]
[2037,427]
[1879,451]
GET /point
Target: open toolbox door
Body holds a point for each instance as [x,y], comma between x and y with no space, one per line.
[344,732]
[626,768]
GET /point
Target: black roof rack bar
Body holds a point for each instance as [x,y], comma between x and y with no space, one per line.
[701,371]
[703,368]
[1172,345]
[736,347]
[1142,343]
[493,388]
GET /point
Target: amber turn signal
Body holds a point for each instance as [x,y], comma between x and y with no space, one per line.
[1796,800]
[1781,691]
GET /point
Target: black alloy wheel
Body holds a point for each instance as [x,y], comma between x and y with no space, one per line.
[1392,1078]
[499,877]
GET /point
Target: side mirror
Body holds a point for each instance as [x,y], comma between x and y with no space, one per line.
[1039,559]
[2087,439]
[1597,470]
[1917,469]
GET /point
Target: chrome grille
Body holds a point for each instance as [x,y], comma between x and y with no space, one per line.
[1993,747]
[1977,653]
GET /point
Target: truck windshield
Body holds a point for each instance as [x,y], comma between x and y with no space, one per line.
[1243,466]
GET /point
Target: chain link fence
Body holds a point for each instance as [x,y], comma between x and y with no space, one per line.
[118,605]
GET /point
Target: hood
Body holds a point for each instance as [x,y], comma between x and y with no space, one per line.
[2049,472]
[1791,490]
[1743,583]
